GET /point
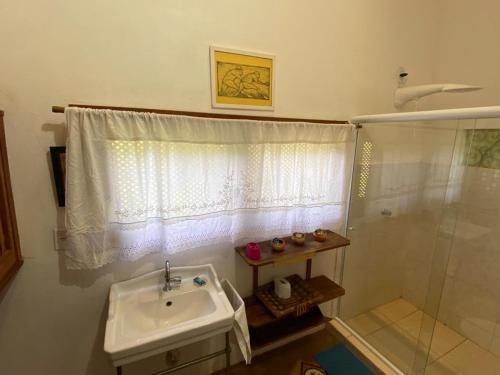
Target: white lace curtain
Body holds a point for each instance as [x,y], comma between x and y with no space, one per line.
[140,182]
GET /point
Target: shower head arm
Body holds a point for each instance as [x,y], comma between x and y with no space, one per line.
[405,94]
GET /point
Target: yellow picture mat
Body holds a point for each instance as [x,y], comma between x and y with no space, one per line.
[242,79]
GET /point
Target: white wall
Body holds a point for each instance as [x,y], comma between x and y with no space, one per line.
[468,52]
[334,59]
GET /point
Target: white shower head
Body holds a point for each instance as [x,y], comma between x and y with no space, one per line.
[405,94]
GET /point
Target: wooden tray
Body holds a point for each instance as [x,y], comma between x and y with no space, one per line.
[303,297]
[259,316]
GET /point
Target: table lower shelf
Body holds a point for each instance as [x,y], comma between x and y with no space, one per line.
[259,316]
[286,327]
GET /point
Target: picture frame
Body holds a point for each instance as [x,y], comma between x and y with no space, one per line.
[241,79]
[58,158]
[307,368]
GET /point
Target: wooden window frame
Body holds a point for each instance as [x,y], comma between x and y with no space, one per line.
[10,251]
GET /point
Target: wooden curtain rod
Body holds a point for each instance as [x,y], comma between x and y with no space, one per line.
[59,109]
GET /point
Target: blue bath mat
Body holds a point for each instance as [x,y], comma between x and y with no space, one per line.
[339,360]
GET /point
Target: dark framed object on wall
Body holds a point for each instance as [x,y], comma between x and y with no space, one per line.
[58,157]
[10,250]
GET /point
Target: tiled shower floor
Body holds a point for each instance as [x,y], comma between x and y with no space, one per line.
[393,329]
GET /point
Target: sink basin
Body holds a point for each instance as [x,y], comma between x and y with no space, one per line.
[143,320]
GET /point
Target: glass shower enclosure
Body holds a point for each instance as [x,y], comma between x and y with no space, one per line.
[423,222]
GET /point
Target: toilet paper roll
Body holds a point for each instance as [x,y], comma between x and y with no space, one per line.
[282,288]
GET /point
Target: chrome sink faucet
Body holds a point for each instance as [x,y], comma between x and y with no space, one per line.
[170,282]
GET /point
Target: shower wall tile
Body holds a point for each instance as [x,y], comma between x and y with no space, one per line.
[474,304]
[482,190]
[445,307]
[495,346]
[437,278]
[471,297]
[476,334]
[372,270]
[485,148]
[418,243]
[495,342]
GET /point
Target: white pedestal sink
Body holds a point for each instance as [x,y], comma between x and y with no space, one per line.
[143,320]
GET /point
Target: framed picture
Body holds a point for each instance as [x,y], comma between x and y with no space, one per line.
[242,80]
[58,157]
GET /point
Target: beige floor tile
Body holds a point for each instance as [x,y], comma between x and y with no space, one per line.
[369,322]
[444,339]
[394,329]
[396,344]
[471,359]
[413,323]
[421,325]
[440,368]
[396,310]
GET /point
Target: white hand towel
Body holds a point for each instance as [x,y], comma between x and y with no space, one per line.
[240,320]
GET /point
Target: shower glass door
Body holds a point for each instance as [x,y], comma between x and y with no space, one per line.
[398,198]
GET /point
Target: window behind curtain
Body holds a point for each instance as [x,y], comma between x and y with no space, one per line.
[139,182]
